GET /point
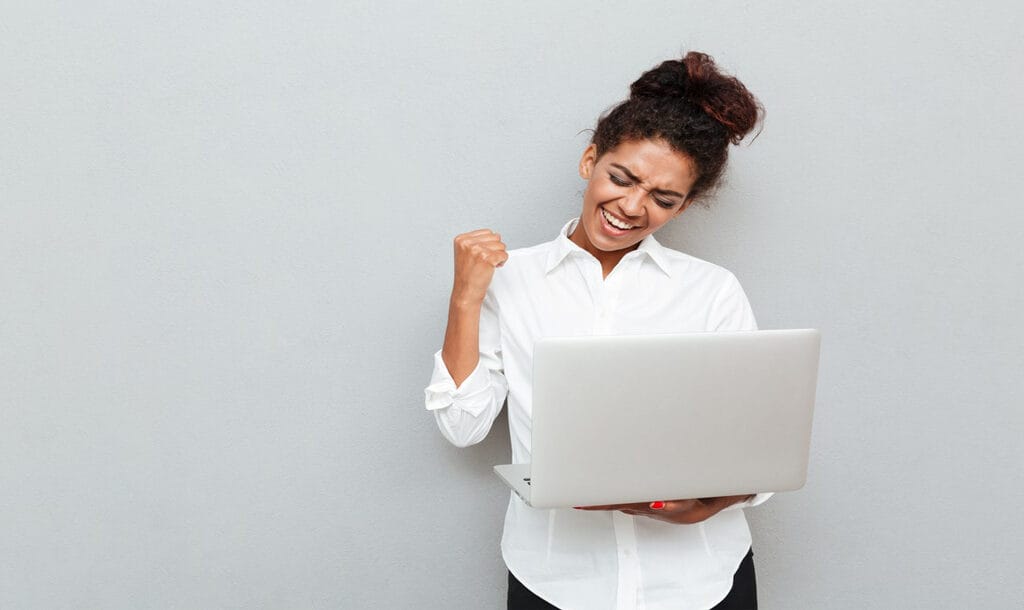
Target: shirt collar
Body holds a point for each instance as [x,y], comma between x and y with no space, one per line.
[563,247]
[657,253]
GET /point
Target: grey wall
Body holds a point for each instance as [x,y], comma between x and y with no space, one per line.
[225,237]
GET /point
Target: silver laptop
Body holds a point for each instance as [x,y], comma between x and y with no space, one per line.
[620,419]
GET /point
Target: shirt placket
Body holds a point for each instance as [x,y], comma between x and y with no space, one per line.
[629,565]
[605,295]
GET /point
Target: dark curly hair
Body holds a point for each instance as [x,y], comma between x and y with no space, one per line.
[690,104]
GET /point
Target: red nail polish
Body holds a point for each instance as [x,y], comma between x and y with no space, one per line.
[657,505]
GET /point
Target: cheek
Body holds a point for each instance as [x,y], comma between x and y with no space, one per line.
[662,217]
[600,192]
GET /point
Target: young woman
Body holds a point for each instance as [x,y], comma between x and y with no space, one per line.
[650,158]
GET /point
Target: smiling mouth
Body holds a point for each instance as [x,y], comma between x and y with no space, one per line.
[615,222]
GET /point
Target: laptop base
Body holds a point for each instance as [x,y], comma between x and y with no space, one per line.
[516,476]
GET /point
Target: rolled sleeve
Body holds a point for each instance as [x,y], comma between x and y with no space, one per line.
[464,413]
[757,500]
[473,396]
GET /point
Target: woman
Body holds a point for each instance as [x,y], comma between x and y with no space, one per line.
[650,158]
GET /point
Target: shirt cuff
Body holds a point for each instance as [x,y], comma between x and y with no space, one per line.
[442,392]
[755,501]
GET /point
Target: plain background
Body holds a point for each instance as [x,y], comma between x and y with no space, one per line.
[225,248]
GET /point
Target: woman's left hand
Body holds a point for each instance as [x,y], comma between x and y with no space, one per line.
[675,511]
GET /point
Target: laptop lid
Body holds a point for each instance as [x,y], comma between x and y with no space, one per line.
[636,418]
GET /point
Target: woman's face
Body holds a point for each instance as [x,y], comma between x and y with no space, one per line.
[632,190]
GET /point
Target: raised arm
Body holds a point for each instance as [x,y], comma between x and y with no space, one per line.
[468,386]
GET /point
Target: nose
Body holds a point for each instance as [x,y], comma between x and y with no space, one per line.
[632,204]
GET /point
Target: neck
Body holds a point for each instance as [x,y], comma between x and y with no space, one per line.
[608,259]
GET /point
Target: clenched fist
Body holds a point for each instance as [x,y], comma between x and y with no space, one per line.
[477,254]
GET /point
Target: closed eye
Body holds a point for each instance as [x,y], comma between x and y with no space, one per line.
[618,180]
[621,182]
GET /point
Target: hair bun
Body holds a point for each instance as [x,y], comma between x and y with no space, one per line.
[669,79]
[696,79]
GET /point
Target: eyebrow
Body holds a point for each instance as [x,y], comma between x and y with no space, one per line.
[634,178]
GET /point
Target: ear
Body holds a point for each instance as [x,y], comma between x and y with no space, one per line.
[587,162]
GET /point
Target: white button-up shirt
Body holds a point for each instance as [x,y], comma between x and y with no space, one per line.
[595,560]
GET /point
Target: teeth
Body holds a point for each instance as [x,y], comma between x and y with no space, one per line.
[615,222]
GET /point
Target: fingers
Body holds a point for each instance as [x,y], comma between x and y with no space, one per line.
[478,236]
[494,257]
[482,245]
[666,508]
[477,254]
[719,502]
[679,505]
[671,511]
[478,232]
[484,237]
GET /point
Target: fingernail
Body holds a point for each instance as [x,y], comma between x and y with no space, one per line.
[657,505]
